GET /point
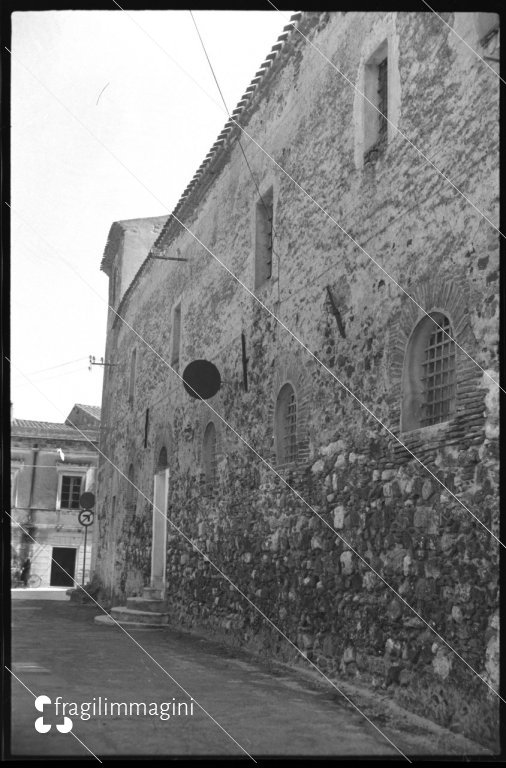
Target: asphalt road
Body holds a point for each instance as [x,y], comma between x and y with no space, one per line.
[58,650]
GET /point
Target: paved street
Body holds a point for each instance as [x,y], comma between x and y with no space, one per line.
[58,650]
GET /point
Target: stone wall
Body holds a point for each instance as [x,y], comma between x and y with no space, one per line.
[304,543]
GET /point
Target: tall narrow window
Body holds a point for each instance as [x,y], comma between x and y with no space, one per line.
[131,385]
[438,374]
[264,238]
[209,451]
[113,287]
[429,374]
[286,425]
[146,428]
[382,99]
[131,494]
[176,336]
[376,102]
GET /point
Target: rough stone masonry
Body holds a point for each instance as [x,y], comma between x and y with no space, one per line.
[369,326]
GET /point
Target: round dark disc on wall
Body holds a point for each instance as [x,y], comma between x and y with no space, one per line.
[201,379]
[87,500]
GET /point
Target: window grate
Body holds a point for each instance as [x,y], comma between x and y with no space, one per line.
[70,492]
[290,436]
[439,375]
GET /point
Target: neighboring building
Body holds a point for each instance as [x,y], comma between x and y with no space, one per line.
[51,467]
[378,342]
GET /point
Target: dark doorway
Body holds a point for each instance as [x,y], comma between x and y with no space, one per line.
[66,557]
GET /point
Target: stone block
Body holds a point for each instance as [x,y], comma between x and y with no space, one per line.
[339,517]
[442,663]
[347,562]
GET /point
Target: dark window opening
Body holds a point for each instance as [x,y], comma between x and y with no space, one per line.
[146,428]
[376,103]
[70,492]
[286,425]
[210,457]
[382,100]
[176,337]
[163,461]
[264,238]
[131,490]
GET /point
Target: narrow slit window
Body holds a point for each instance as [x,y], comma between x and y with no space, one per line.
[210,457]
[264,238]
[176,336]
[383,99]
[376,107]
[130,491]
[146,428]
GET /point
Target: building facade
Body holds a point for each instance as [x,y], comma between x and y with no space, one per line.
[345,475]
[52,465]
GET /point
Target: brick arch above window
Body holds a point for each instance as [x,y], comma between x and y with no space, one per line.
[429,374]
[439,297]
[285,425]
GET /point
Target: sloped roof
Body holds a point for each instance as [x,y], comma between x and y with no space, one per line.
[92,410]
[43,426]
[227,137]
[50,429]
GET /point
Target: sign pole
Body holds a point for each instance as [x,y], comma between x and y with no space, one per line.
[85,518]
[84,553]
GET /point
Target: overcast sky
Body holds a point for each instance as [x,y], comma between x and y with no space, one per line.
[66,187]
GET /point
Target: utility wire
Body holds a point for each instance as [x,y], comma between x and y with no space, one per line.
[296,183]
[273,233]
[60,365]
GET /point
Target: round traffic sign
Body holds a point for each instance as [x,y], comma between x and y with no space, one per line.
[85,517]
[87,500]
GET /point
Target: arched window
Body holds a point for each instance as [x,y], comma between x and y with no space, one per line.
[429,374]
[163,462]
[209,457]
[131,494]
[286,425]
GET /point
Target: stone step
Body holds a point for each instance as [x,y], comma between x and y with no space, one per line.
[109,622]
[121,613]
[151,593]
[151,605]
